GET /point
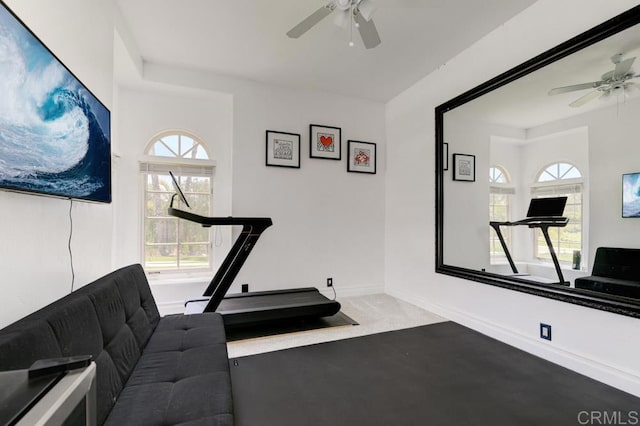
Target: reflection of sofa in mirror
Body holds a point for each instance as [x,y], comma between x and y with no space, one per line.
[615,271]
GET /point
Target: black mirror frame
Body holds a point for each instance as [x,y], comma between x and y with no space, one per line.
[619,305]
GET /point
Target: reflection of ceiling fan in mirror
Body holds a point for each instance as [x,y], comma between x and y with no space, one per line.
[350,14]
[612,82]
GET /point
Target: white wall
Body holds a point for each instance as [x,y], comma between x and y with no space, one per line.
[35,230]
[613,151]
[568,146]
[468,227]
[327,222]
[142,115]
[590,341]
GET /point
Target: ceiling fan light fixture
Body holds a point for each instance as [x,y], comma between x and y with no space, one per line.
[343,20]
[343,4]
[367,8]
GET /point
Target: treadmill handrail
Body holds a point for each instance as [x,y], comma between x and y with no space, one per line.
[536,222]
[207,221]
[252,228]
[532,222]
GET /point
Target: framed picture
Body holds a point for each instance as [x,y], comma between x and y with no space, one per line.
[631,195]
[445,155]
[283,149]
[325,142]
[464,167]
[361,157]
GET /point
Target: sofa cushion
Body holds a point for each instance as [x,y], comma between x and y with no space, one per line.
[24,342]
[76,327]
[180,332]
[182,376]
[618,263]
[614,286]
[200,400]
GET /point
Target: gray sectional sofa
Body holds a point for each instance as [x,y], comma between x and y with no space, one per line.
[151,370]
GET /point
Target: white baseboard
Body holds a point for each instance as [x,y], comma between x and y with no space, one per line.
[596,370]
[352,291]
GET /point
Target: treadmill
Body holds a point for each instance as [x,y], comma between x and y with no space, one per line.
[543,213]
[252,308]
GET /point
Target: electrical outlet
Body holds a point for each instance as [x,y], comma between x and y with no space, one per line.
[545,331]
[245,288]
[329,282]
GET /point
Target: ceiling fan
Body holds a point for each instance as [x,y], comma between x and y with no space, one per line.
[350,13]
[615,81]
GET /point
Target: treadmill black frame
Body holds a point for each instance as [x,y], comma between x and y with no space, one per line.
[252,228]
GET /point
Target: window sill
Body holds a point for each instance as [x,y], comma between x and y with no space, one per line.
[173,278]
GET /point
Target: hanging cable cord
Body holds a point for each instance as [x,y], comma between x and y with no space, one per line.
[73,274]
[334,292]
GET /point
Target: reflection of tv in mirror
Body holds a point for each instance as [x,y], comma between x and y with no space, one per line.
[179,192]
[54,133]
[631,195]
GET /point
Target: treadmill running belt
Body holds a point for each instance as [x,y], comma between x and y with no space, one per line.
[252,308]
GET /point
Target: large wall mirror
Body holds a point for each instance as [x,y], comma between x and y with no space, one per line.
[563,127]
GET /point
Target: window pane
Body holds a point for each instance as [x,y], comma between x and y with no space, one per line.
[171,142]
[546,177]
[186,143]
[563,168]
[161,257]
[193,233]
[195,184]
[159,182]
[161,230]
[201,153]
[499,210]
[161,150]
[194,256]
[157,204]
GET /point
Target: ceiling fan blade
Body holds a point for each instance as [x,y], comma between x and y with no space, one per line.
[586,98]
[573,88]
[311,20]
[623,67]
[368,32]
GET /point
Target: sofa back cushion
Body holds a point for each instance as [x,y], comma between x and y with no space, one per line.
[619,263]
[111,319]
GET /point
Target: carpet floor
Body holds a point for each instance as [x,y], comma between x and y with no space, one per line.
[439,374]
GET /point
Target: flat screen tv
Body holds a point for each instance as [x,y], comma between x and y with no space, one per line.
[54,133]
[631,195]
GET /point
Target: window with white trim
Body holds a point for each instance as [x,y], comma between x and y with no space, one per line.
[169,243]
[500,201]
[558,180]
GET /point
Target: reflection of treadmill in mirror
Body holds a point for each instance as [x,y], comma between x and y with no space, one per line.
[544,213]
[256,307]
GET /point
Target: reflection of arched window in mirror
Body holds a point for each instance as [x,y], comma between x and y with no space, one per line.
[561,180]
[500,206]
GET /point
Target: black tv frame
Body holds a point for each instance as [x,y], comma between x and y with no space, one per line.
[29,191]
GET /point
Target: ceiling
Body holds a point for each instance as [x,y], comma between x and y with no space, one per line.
[246,39]
[525,103]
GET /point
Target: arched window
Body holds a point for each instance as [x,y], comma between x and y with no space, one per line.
[177,144]
[500,205]
[169,243]
[498,175]
[558,180]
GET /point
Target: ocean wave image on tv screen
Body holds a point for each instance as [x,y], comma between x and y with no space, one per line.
[631,195]
[54,134]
